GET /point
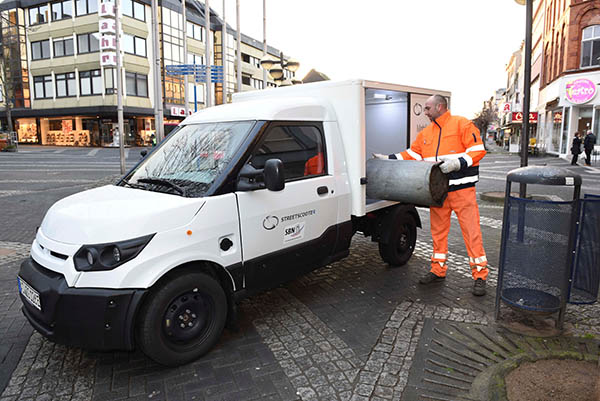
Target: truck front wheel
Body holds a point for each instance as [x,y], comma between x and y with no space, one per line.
[399,247]
[182,319]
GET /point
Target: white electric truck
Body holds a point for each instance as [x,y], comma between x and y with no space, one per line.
[239,198]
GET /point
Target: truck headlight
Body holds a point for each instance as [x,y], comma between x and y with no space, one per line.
[109,256]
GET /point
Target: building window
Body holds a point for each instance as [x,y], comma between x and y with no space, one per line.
[43,87]
[63,47]
[257,83]
[134,9]
[88,42]
[134,45]
[110,81]
[38,15]
[246,80]
[62,10]
[254,61]
[83,7]
[590,46]
[195,31]
[65,85]
[195,59]
[90,83]
[137,84]
[40,50]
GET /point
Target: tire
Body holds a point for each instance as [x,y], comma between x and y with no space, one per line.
[197,304]
[401,245]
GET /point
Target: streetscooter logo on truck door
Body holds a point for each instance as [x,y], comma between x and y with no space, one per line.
[270,222]
[293,232]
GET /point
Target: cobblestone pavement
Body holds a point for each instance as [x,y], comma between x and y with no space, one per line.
[348,331]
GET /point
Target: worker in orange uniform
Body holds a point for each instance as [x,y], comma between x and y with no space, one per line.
[455,141]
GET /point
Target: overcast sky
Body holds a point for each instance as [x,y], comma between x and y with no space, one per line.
[461,46]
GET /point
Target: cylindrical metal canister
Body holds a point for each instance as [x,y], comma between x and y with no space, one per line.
[418,182]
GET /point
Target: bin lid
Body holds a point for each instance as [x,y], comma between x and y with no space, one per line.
[545,175]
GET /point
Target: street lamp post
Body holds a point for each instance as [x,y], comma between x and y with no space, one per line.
[527,90]
[276,67]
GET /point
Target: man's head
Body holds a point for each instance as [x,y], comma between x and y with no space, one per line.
[589,132]
[435,106]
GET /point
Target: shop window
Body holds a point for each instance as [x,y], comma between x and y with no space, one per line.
[88,42]
[134,9]
[299,147]
[63,47]
[58,125]
[90,83]
[136,84]
[65,85]
[43,87]
[83,7]
[134,45]
[38,15]
[40,50]
[62,10]
[590,46]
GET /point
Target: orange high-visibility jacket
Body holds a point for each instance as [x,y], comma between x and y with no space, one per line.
[449,137]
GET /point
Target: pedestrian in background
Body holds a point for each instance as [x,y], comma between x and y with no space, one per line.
[455,141]
[575,148]
[588,147]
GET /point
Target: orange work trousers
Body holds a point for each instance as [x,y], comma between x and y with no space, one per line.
[464,203]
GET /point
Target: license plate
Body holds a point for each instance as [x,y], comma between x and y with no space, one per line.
[29,293]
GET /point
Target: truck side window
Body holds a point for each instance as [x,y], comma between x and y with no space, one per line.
[299,147]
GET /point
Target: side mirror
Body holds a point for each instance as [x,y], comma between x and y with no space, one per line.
[144,153]
[271,177]
[274,175]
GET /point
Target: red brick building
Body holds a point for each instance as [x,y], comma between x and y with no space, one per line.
[569,74]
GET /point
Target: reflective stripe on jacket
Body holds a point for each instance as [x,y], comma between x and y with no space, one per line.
[449,137]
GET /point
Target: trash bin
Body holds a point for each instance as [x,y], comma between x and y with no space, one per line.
[586,271]
[537,243]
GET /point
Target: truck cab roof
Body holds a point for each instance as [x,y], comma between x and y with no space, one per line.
[296,108]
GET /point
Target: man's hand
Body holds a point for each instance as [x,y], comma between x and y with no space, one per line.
[380,156]
[450,165]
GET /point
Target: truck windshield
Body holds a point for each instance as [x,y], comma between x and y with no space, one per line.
[191,159]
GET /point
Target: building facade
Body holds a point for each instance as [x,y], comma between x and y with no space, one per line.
[565,75]
[63,95]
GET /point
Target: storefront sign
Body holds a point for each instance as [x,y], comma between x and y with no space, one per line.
[506,108]
[179,111]
[108,59]
[108,42]
[108,30]
[517,117]
[557,116]
[580,91]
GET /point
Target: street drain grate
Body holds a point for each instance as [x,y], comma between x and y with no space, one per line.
[464,361]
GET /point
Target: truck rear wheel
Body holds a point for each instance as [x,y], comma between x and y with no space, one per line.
[182,319]
[401,243]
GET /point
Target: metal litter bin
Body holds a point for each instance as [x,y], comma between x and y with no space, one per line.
[537,245]
[586,271]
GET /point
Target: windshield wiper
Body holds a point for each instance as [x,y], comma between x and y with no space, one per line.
[132,185]
[162,181]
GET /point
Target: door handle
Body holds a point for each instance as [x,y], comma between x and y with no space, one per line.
[322,190]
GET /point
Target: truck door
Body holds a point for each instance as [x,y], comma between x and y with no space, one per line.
[289,232]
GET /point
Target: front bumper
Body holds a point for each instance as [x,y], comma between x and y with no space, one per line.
[93,318]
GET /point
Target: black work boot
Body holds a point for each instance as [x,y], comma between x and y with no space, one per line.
[429,278]
[479,287]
